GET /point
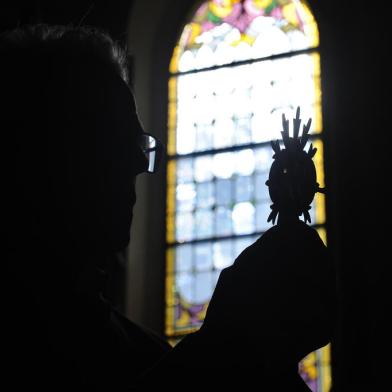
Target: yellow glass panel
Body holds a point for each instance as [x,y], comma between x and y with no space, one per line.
[310,25]
[170,294]
[172,116]
[173,67]
[323,234]
[170,201]
[326,378]
[319,197]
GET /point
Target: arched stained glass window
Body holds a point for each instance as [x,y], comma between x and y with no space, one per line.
[236,68]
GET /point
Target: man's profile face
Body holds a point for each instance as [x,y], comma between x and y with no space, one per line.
[105,149]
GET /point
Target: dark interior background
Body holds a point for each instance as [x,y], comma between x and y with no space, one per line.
[355,41]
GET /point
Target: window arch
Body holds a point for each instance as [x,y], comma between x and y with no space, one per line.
[238,65]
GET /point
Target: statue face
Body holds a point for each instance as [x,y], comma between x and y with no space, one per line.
[292,181]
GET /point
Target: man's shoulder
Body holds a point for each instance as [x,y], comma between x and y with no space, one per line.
[139,337]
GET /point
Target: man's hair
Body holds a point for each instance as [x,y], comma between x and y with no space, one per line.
[54,83]
[69,40]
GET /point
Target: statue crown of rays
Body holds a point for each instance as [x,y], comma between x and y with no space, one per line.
[292,177]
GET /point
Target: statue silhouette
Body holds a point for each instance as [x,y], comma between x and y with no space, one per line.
[276,303]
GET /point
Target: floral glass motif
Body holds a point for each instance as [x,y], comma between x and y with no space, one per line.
[237,66]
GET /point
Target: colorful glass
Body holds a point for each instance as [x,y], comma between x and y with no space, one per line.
[236,68]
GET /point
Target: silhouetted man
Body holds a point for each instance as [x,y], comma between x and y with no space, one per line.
[72,146]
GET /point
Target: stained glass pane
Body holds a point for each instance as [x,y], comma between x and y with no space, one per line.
[223,192]
[184,227]
[225,31]
[184,258]
[185,197]
[262,213]
[203,256]
[226,98]
[204,220]
[223,221]
[244,188]
[223,254]
[215,116]
[243,218]
[205,194]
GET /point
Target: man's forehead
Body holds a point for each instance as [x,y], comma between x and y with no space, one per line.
[106,93]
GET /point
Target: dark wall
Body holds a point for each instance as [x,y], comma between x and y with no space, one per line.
[109,15]
[354,42]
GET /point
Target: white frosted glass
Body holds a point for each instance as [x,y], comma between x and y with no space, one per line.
[223,221]
[223,132]
[204,57]
[205,38]
[203,287]
[261,24]
[259,126]
[223,165]
[203,256]
[186,138]
[222,30]
[243,76]
[240,244]
[279,40]
[185,197]
[297,39]
[312,213]
[302,64]
[187,61]
[185,113]
[263,157]
[184,227]
[185,286]
[222,251]
[225,105]
[245,162]
[243,218]
[220,81]
[205,194]
[232,36]
[223,191]
[183,258]
[261,190]
[204,223]
[224,53]
[281,69]
[243,106]
[204,82]
[263,211]
[184,170]
[204,135]
[261,99]
[243,51]
[186,87]
[244,190]
[243,133]
[203,166]
[204,108]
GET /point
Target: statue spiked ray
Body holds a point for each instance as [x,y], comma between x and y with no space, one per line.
[294,152]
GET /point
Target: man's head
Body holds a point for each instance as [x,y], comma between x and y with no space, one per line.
[72,136]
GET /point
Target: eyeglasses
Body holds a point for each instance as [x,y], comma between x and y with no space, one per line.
[152,149]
